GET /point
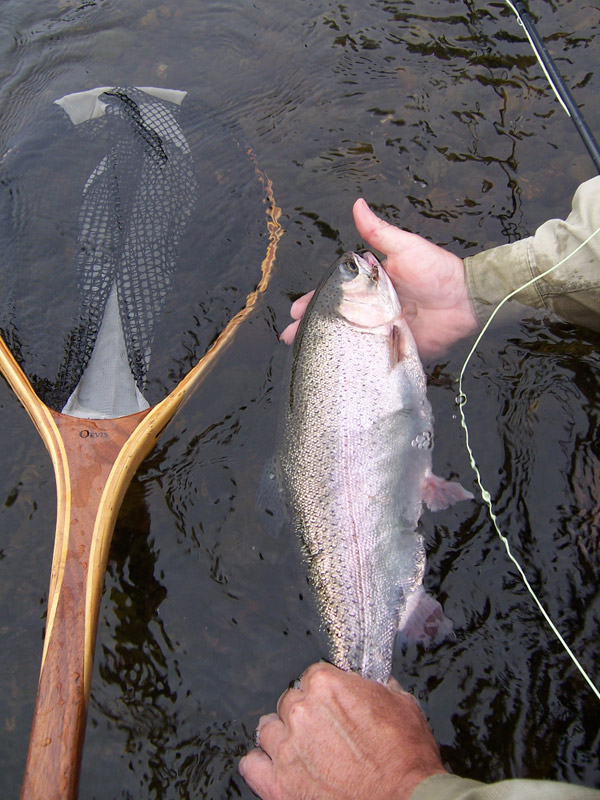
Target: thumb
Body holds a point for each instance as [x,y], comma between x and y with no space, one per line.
[395,687]
[256,768]
[374,230]
[393,684]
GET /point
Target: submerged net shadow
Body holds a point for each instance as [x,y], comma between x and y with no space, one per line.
[136,205]
[139,269]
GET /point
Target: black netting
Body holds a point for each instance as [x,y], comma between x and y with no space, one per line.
[153,198]
[136,205]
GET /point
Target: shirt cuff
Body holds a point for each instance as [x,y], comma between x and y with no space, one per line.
[452,787]
[494,274]
[445,787]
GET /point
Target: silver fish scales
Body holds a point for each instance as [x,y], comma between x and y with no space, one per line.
[354,464]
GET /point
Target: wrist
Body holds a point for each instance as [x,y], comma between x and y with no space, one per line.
[464,311]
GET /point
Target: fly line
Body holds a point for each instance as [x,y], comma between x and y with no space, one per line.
[486,497]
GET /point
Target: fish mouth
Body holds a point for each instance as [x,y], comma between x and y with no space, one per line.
[371,263]
[381,280]
[370,259]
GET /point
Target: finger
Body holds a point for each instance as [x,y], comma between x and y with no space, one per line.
[297,312]
[377,232]
[394,685]
[256,768]
[269,732]
[289,333]
[287,700]
[322,670]
[300,305]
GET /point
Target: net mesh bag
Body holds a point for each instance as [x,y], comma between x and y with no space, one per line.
[132,227]
[135,208]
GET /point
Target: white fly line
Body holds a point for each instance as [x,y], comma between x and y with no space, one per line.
[485,495]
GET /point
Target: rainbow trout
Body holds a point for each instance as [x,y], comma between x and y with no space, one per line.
[354,466]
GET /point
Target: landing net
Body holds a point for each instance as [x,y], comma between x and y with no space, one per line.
[133,228]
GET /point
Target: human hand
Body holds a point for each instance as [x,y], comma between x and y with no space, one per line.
[430,282]
[341,736]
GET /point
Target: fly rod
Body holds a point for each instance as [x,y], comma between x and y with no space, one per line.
[136,204]
[556,81]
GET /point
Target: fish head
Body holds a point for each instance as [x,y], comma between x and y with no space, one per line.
[366,297]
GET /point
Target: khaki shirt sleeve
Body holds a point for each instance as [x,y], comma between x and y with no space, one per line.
[451,787]
[572,291]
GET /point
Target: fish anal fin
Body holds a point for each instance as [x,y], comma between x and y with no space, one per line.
[423,620]
[439,493]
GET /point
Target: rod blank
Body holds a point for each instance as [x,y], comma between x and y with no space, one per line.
[556,81]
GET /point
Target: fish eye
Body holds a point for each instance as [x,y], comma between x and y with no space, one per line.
[349,268]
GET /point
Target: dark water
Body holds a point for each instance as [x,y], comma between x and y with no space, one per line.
[438,114]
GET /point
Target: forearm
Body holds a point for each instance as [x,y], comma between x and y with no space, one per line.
[572,291]
[451,787]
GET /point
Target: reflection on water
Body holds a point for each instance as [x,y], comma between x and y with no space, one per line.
[438,114]
[533,407]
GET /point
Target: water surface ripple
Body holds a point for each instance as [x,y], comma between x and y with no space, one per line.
[438,114]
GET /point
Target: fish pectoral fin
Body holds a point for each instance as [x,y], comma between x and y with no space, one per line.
[400,345]
[395,346]
[423,620]
[438,493]
[402,342]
